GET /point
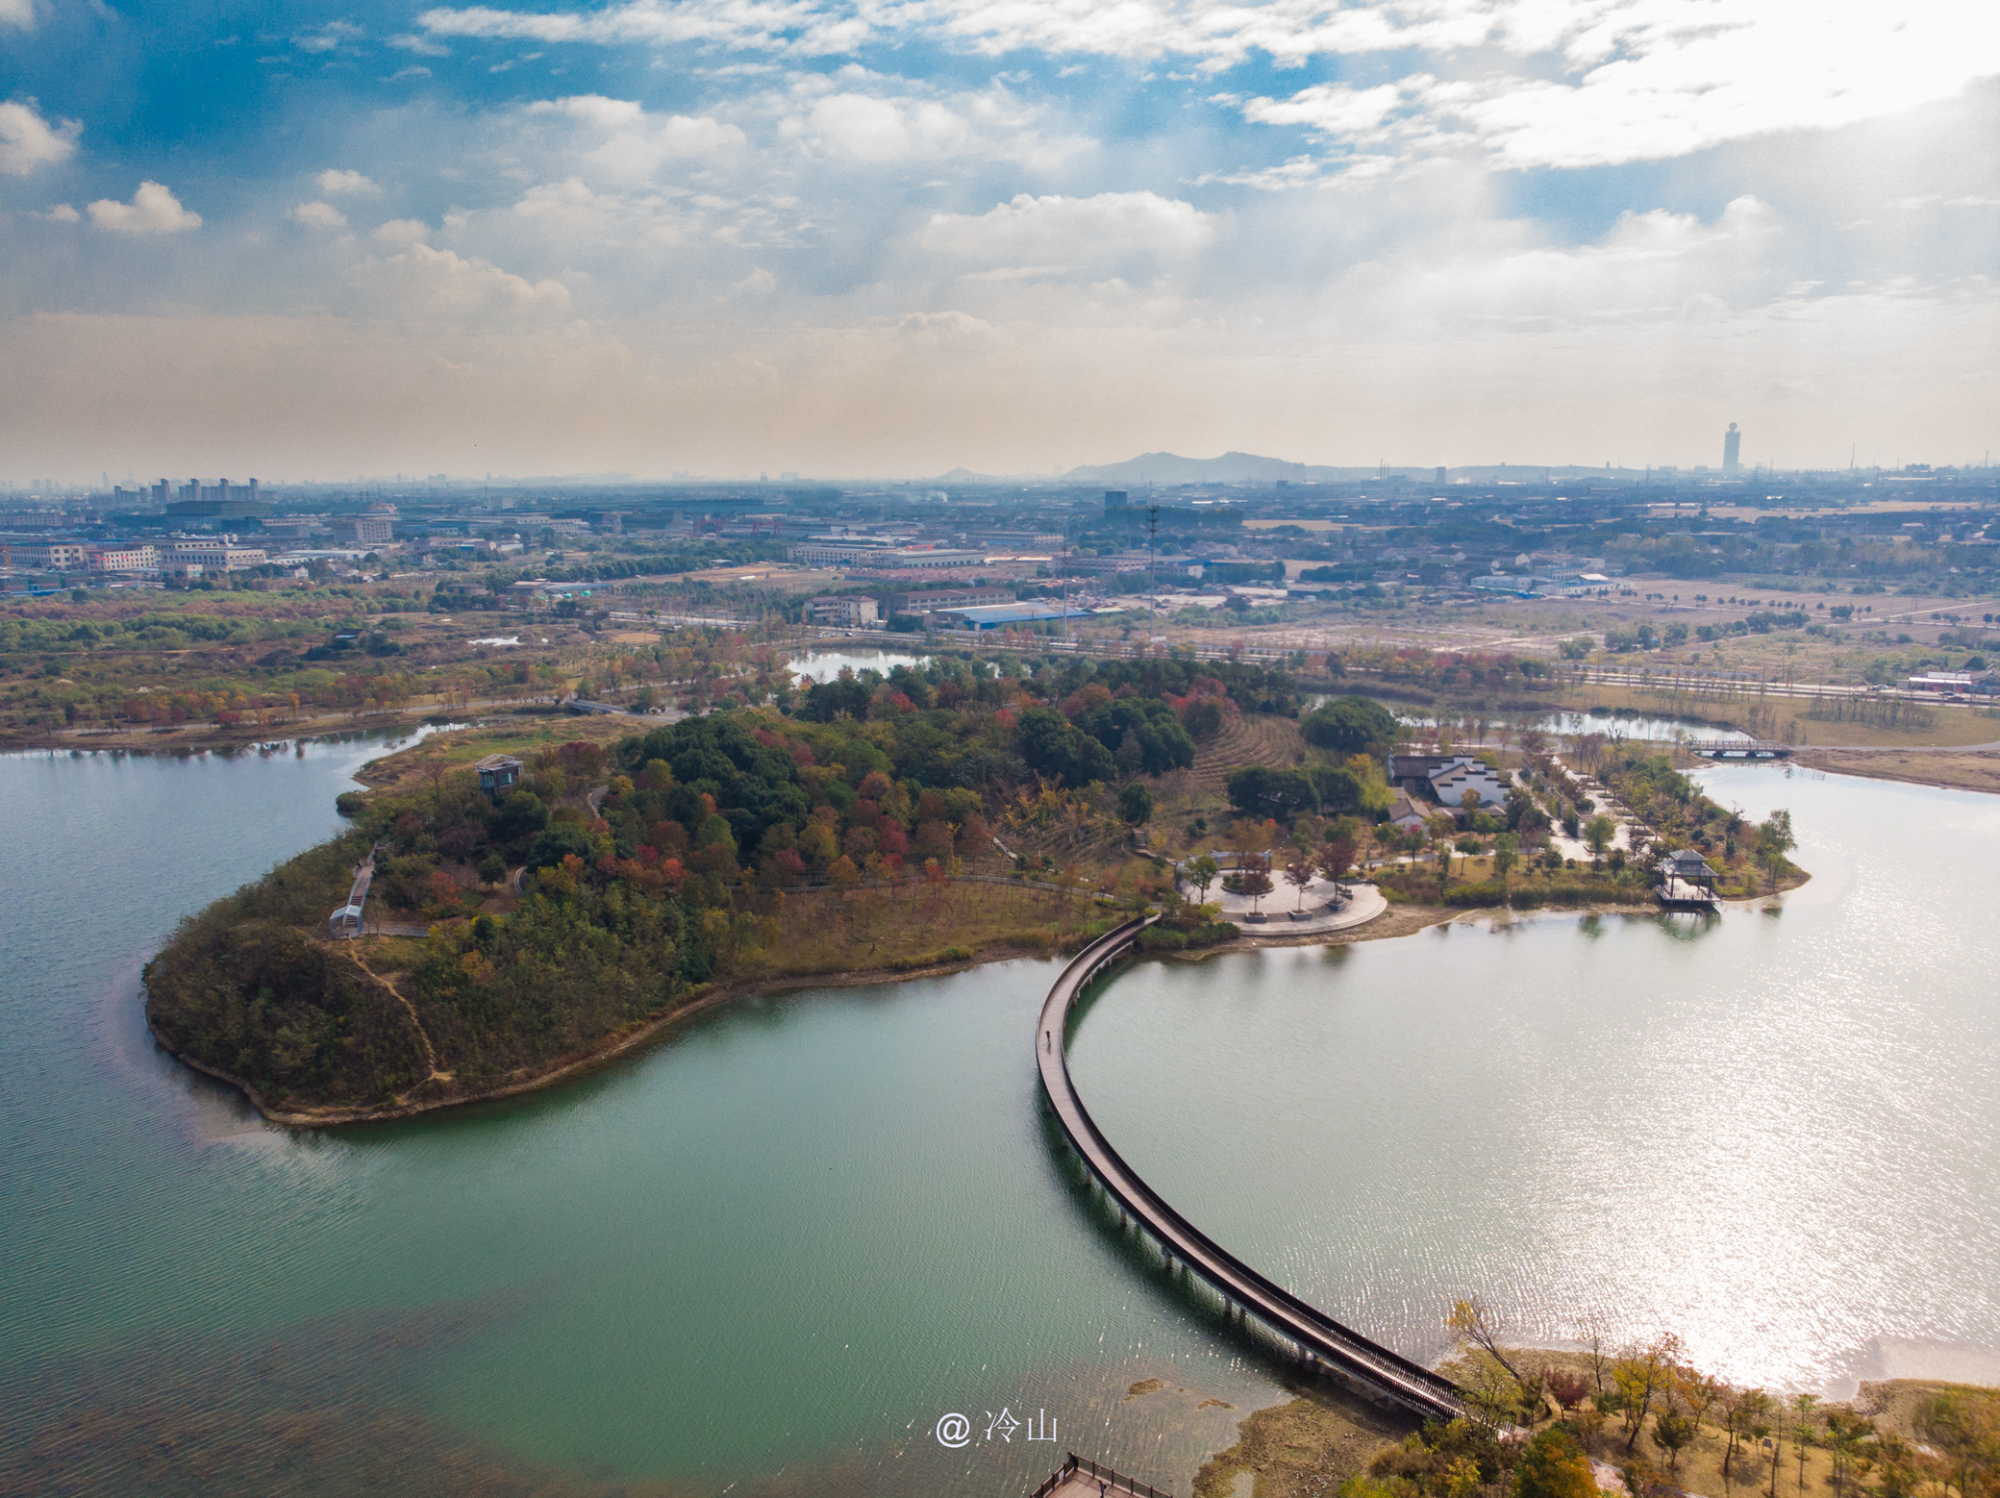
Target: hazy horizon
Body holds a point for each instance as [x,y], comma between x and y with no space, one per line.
[895,239]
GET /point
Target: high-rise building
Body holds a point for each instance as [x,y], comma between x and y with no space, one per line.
[1442,476]
[1732,449]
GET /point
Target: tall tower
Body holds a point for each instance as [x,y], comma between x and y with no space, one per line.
[1732,449]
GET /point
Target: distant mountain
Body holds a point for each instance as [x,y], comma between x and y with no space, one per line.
[1230,468]
[1165,470]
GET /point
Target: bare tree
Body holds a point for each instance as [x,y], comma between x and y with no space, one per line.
[1471,1323]
[1600,1356]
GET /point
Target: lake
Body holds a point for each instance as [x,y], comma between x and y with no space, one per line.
[825,665]
[770,1254]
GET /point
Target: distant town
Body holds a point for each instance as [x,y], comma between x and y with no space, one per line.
[1245,544]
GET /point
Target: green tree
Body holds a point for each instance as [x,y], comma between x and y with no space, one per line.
[1745,1419]
[1506,849]
[1672,1432]
[1966,1428]
[557,841]
[1847,1437]
[1554,1467]
[1054,747]
[1774,840]
[492,869]
[1642,1376]
[1350,725]
[1266,792]
[1598,833]
[1202,872]
[1805,1426]
[1135,804]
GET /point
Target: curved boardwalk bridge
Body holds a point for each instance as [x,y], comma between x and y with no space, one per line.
[1321,1340]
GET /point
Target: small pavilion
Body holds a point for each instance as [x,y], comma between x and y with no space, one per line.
[1686,879]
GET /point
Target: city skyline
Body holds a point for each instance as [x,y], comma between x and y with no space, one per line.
[898,240]
[159,491]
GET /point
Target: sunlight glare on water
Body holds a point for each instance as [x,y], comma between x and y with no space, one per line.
[1773,1133]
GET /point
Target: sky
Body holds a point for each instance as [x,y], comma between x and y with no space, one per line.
[887,238]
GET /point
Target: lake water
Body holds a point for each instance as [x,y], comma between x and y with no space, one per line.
[1630,726]
[1776,1132]
[825,665]
[1611,725]
[769,1255]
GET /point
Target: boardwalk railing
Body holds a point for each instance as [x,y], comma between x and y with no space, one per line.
[1116,1482]
[1318,1336]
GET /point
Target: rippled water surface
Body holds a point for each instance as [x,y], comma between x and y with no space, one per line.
[771,1253]
[1773,1132]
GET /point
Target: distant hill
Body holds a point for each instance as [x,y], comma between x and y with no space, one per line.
[1230,468]
[1164,470]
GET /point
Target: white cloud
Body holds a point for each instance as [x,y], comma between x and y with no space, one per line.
[329,37]
[62,213]
[759,282]
[634,144]
[1534,82]
[1060,232]
[870,129]
[933,330]
[19,13]
[319,216]
[424,280]
[153,210]
[422,46]
[1645,80]
[1651,269]
[1299,171]
[27,141]
[884,128]
[1688,89]
[338,180]
[1328,108]
[401,232]
[776,25]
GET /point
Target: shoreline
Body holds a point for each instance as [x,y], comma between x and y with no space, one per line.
[1976,769]
[610,1049]
[1394,922]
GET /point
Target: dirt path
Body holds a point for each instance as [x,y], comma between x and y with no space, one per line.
[430,1053]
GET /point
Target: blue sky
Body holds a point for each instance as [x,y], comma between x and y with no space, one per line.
[896,236]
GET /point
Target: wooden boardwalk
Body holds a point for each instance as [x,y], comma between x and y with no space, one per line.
[1321,1341]
[1079,1477]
